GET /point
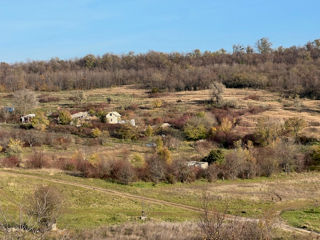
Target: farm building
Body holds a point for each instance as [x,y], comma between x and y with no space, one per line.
[9,109]
[113,117]
[165,125]
[132,122]
[202,165]
[79,118]
[80,115]
[27,118]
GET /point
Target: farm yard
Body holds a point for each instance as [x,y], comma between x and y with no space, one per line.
[109,172]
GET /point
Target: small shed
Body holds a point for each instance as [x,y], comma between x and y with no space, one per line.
[113,117]
[202,165]
[151,144]
[79,118]
[9,109]
[80,115]
[132,122]
[27,118]
[165,125]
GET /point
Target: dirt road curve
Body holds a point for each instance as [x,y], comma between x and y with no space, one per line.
[279,224]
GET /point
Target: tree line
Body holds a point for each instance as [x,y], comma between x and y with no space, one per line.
[294,70]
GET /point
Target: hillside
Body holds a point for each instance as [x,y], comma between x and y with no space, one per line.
[261,148]
[293,70]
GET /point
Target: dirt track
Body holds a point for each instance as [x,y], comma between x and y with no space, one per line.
[279,224]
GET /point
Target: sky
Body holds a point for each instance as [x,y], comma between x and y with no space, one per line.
[68,29]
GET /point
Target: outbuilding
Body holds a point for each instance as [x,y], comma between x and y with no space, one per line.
[202,165]
[9,109]
[80,115]
[27,118]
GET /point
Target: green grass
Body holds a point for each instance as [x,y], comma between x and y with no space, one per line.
[304,218]
[187,194]
[85,208]
[89,209]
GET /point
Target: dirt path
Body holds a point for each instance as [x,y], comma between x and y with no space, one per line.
[279,224]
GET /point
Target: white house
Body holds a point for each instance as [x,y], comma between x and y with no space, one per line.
[27,118]
[113,117]
[202,165]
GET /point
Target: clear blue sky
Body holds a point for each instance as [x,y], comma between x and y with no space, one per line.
[42,29]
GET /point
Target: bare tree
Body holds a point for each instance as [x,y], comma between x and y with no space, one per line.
[79,97]
[4,115]
[20,227]
[156,169]
[45,206]
[31,137]
[238,48]
[211,221]
[25,100]
[35,216]
[216,225]
[217,90]
[264,46]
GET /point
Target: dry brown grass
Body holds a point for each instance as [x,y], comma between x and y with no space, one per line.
[151,230]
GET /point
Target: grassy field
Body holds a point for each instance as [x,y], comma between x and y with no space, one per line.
[84,208]
[248,198]
[308,218]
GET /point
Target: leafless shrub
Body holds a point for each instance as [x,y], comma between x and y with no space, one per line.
[156,169]
[25,100]
[216,225]
[211,221]
[289,156]
[63,141]
[5,115]
[37,160]
[122,171]
[172,142]
[267,163]
[282,155]
[10,162]
[44,206]
[146,231]
[214,172]
[217,90]
[183,172]
[32,138]
[240,163]
[79,97]
[49,139]
[36,216]
[67,164]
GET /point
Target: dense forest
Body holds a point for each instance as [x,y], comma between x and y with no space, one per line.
[294,70]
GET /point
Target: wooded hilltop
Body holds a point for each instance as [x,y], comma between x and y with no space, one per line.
[293,70]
